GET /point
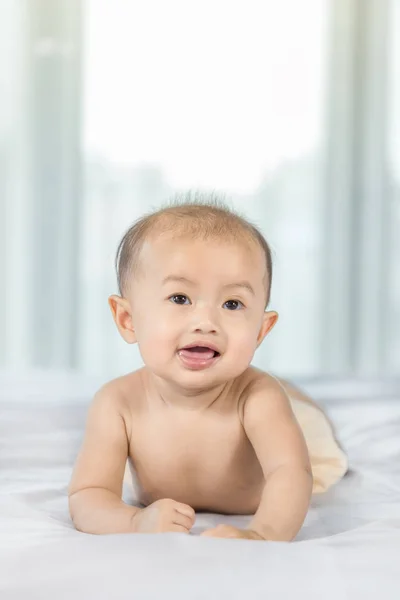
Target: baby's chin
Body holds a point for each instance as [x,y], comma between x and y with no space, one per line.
[195,382]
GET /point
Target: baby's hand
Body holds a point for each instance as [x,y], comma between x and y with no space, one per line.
[163,516]
[228,531]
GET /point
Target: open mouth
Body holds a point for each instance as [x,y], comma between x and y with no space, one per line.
[198,357]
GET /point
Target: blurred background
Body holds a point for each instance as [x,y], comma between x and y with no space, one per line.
[290,108]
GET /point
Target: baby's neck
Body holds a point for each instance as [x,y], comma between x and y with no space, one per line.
[186,399]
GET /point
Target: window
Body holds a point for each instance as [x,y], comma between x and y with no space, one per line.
[290,108]
[226,96]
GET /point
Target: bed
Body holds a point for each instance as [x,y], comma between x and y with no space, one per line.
[348,548]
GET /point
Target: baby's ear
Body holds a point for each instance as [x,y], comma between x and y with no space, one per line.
[122,313]
[269,319]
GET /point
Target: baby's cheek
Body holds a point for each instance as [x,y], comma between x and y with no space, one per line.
[159,335]
[244,346]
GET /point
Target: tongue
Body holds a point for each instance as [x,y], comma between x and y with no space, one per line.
[197,352]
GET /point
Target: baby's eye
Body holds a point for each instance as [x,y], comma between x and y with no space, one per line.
[179,299]
[233,304]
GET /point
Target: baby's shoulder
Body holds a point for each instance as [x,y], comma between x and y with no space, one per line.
[255,380]
[260,385]
[122,393]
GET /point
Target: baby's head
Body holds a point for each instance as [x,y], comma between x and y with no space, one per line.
[194,281]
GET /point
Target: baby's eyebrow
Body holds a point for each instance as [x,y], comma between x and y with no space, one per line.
[178,278]
[243,284]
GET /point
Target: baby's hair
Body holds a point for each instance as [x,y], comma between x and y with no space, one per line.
[197,215]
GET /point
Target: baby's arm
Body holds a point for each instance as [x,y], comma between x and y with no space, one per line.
[96,486]
[282,451]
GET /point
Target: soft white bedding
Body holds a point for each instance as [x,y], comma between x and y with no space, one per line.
[349,547]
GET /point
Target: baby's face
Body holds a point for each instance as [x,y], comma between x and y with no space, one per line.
[198,309]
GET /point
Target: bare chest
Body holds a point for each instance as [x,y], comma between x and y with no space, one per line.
[208,463]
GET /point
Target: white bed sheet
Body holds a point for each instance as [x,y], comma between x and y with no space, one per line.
[349,547]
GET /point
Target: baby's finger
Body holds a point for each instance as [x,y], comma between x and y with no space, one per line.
[185,509]
[220,532]
[176,528]
[183,520]
[209,533]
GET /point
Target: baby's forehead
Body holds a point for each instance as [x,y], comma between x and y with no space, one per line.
[179,254]
[169,245]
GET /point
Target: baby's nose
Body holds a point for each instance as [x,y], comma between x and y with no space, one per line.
[205,328]
[205,321]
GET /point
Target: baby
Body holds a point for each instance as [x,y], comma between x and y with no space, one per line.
[201,428]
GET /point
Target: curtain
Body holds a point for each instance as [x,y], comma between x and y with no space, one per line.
[289,109]
[392,310]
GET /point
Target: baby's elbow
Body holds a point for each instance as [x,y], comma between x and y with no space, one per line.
[72,508]
[76,511]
